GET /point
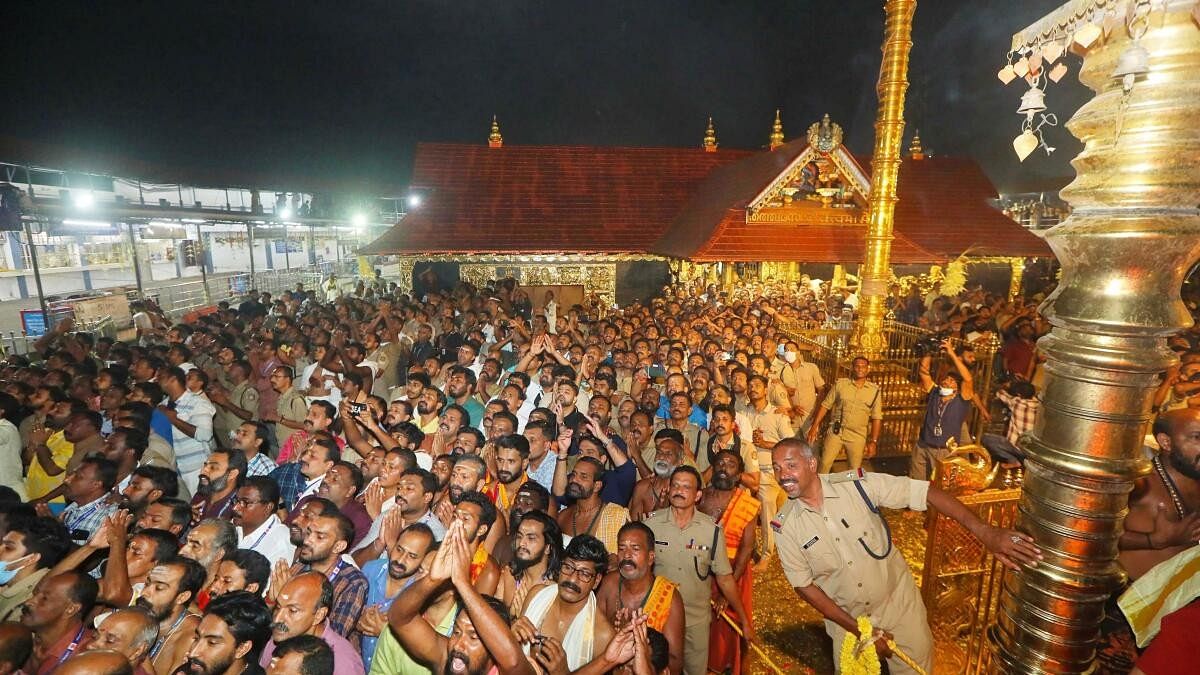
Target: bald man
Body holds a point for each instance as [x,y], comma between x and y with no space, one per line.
[1164,507]
[302,608]
[131,632]
[97,662]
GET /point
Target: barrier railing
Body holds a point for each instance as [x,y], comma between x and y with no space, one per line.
[895,370]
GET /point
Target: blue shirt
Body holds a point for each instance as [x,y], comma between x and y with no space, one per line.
[161,425]
[947,420]
[291,483]
[376,572]
[698,416]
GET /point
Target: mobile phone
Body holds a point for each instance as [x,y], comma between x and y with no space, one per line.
[357,408]
[656,371]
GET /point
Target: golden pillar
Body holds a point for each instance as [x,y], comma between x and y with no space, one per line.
[1014,281]
[885,170]
[728,278]
[1124,250]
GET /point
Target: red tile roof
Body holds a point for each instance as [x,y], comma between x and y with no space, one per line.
[678,202]
[942,213]
[546,199]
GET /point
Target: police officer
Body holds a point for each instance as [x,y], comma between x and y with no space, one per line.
[836,549]
[689,549]
[857,418]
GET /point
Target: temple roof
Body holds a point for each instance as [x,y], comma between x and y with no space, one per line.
[688,203]
[942,212]
[546,199]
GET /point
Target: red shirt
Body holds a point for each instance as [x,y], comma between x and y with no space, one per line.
[73,639]
[1173,650]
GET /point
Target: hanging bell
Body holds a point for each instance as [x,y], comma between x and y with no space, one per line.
[1032,102]
[1133,62]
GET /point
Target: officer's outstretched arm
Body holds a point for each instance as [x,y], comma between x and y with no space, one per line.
[1013,549]
[827,607]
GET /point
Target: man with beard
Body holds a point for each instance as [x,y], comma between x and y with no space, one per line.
[301,478]
[372,463]
[55,613]
[49,454]
[326,537]
[454,418]
[641,441]
[341,486]
[130,559]
[836,551]
[258,525]
[254,440]
[387,577]
[220,477]
[170,588]
[1164,507]
[636,587]
[512,461]
[245,570]
[590,514]
[620,476]
[320,418]
[735,510]
[441,468]
[681,534]
[541,461]
[229,637]
[124,447]
[209,543]
[724,433]
[303,608]
[481,641]
[536,554]
[414,496]
[564,614]
[130,632]
[650,494]
[429,407]
[460,389]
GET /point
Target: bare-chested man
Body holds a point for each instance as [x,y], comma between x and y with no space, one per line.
[1164,507]
[536,553]
[650,494]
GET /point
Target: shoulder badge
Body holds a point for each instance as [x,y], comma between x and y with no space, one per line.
[847,476]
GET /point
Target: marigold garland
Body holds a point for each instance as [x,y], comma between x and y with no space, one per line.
[866,661]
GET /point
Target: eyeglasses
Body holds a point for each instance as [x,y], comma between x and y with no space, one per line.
[584,574]
[242,502]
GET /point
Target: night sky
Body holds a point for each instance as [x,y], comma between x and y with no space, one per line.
[345,90]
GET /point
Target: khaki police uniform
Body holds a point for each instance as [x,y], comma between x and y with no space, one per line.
[826,548]
[856,407]
[244,396]
[684,555]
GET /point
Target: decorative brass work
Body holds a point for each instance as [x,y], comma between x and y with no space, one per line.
[598,278]
[825,135]
[961,581]
[495,140]
[1133,234]
[885,169]
[710,137]
[830,179]
[776,139]
[405,275]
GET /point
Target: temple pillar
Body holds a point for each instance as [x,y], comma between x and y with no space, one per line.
[885,173]
[1133,234]
[728,278]
[1014,281]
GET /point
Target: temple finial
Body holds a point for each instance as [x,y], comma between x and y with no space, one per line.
[776,132]
[915,150]
[495,140]
[710,137]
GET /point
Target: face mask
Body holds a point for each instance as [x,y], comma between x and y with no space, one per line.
[779,351]
[946,391]
[790,357]
[8,570]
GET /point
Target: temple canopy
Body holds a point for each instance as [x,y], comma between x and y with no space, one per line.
[804,201]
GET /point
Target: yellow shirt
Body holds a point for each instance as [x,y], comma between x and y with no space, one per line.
[38,482]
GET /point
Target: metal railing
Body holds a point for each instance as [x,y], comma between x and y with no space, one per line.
[895,371]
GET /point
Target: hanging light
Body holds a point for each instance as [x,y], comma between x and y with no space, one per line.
[1133,62]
